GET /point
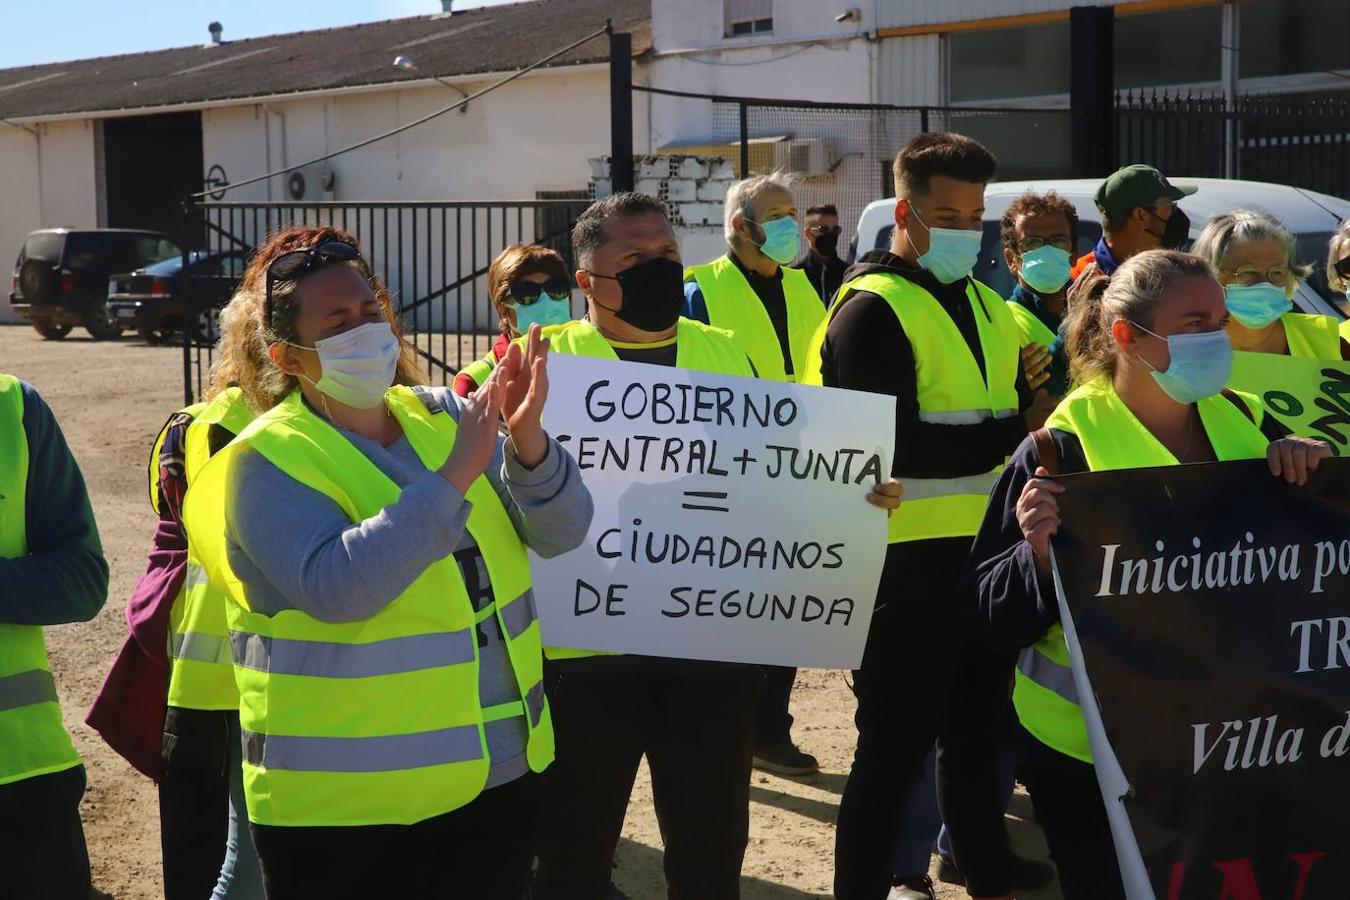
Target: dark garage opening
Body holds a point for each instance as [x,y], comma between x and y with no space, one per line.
[151,163]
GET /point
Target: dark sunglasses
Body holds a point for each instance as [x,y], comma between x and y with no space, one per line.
[297,264]
[527,292]
[823,229]
[1343,268]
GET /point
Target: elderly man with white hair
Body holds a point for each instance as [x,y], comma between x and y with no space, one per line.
[773,311]
[750,291]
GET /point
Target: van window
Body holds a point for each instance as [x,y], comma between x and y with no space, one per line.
[43,245]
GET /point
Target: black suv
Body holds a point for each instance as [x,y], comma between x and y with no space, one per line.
[157,301]
[61,276]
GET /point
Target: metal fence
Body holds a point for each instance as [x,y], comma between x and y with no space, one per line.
[1300,142]
[433,256]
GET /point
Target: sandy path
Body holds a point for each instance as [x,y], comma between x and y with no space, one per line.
[111,399]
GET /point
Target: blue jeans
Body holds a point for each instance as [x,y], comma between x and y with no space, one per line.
[240,875]
[923,819]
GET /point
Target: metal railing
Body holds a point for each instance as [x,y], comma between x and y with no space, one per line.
[433,256]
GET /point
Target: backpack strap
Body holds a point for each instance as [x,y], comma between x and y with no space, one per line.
[1046,450]
[1232,397]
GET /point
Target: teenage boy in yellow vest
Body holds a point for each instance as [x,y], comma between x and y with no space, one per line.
[773,310]
[912,323]
[692,719]
[52,571]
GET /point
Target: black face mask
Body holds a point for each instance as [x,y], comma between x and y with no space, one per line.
[827,243]
[1175,230]
[653,293]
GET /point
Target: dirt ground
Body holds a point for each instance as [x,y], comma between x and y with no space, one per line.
[111,399]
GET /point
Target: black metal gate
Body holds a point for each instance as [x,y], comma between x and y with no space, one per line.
[434,256]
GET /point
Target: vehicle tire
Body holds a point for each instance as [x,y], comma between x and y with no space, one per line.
[155,337]
[50,330]
[101,324]
[205,325]
[38,281]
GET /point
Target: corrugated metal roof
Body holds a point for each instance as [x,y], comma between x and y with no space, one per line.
[486,39]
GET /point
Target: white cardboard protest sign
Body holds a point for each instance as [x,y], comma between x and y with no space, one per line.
[731,520]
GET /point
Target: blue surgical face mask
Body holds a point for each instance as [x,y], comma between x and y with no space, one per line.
[547,310]
[1199,366]
[1257,305]
[952,252]
[1045,269]
[782,239]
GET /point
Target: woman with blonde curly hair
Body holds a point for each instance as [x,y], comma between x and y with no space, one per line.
[370,533]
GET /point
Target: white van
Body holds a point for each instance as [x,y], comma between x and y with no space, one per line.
[1311,216]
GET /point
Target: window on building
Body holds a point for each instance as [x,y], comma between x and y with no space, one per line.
[1280,37]
[1026,61]
[746,17]
[1172,47]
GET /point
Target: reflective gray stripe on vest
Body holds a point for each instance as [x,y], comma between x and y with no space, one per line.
[518,614]
[928,488]
[281,656]
[963,416]
[1048,674]
[387,753]
[534,702]
[27,689]
[201,647]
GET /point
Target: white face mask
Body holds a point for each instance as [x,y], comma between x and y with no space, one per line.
[358,365]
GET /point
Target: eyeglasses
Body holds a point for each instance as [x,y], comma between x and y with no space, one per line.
[528,292]
[1278,275]
[823,229]
[1033,243]
[297,264]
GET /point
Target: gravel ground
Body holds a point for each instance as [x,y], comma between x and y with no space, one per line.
[111,399]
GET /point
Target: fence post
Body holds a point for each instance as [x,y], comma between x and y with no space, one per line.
[1092,89]
[184,247]
[621,110]
[923,120]
[1229,58]
[745,140]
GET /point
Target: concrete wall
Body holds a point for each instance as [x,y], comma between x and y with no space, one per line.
[47,178]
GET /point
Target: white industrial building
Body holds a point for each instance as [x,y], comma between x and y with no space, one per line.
[119,141]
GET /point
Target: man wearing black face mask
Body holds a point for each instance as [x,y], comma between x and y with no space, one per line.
[1139,212]
[693,720]
[820,261]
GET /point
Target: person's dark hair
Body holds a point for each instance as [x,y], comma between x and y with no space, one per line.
[941,153]
[588,234]
[1111,224]
[824,209]
[1030,204]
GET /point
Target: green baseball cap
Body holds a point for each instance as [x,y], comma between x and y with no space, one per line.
[1135,186]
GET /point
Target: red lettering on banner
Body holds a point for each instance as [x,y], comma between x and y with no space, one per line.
[1239,881]
[1305,861]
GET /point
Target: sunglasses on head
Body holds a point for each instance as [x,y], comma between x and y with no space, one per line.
[297,264]
[1343,269]
[527,292]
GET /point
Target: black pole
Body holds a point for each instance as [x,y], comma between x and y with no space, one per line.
[621,110]
[185,240]
[1092,90]
[745,141]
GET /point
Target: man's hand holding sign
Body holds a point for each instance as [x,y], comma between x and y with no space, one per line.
[729,523]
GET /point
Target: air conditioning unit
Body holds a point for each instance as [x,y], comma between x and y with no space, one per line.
[311,183]
[803,156]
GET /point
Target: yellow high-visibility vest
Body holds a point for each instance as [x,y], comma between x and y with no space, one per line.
[1112,438]
[733,305]
[951,391]
[33,740]
[377,721]
[201,670]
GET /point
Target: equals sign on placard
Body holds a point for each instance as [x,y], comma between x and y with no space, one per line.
[705,500]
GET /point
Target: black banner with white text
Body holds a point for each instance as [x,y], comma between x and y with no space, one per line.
[1211,607]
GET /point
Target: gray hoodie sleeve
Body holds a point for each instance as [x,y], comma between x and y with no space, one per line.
[296,549]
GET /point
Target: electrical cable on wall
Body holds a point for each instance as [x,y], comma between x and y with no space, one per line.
[402,128]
